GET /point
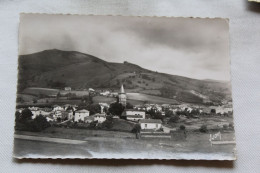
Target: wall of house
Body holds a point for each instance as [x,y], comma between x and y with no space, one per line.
[100,119]
[133,119]
[136,113]
[80,116]
[151,126]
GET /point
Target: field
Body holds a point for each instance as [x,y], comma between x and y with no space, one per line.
[38,91]
[51,92]
[103,99]
[121,145]
[150,98]
[213,123]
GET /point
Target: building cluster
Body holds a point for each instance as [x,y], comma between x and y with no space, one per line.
[68,112]
[138,114]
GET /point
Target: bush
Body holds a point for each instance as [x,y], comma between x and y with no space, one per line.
[203,129]
[174,119]
[231,126]
[108,124]
[169,113]
[225,126]
[136,128]
[39,123]
[182,127]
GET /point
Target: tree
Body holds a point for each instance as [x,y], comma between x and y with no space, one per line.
[169,113]
[129,106]
[182,127]
[35,100]
[231,126]
[20,100]
[26,114]
[174,119]
[116,108]
[155,114]
[158,115]
[58,95]
[136,128]
[41,123]
[203,129]
[108,124]
[17,116]
[213,111]
[94,108]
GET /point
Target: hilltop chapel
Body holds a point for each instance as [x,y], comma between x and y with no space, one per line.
[122,96]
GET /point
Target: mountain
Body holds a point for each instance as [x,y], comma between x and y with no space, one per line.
[57,69]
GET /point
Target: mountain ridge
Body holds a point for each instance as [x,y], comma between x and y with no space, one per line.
[56,69]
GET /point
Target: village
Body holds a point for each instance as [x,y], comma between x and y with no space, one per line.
[149,119]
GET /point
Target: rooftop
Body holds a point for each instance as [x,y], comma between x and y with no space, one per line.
[82,111]
[100,115]
[150,121]
[134,110]
[134,116]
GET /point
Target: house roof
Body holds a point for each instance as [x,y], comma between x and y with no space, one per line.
[89,118]
[100,115]
[150,121]
[134,110]
[82,111]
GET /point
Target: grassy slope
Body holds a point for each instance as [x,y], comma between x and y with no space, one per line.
[82,71]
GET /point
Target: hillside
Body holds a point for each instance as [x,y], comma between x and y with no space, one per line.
[57,69]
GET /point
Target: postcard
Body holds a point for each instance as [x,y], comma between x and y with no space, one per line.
[120,87]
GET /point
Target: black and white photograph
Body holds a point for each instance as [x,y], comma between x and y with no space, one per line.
[124,87]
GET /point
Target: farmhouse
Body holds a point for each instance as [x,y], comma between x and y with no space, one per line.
[152,124]
[133,115]
[100,118]
[80,115]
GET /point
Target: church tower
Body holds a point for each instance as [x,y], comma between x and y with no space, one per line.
[122,96]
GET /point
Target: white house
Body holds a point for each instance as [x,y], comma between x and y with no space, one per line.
[133,115]
[152,124]
[91,90]
[80,115]
[223,110]
[67,88]
[35,113]
[105,93]
[57,108]
[100,118]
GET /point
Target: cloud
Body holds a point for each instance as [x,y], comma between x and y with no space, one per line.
[196,48]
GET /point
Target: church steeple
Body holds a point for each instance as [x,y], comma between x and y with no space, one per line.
[122,96]
[122,90]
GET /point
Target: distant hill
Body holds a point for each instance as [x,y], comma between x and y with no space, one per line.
[57,69]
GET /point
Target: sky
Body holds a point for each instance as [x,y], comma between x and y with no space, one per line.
[191,47]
